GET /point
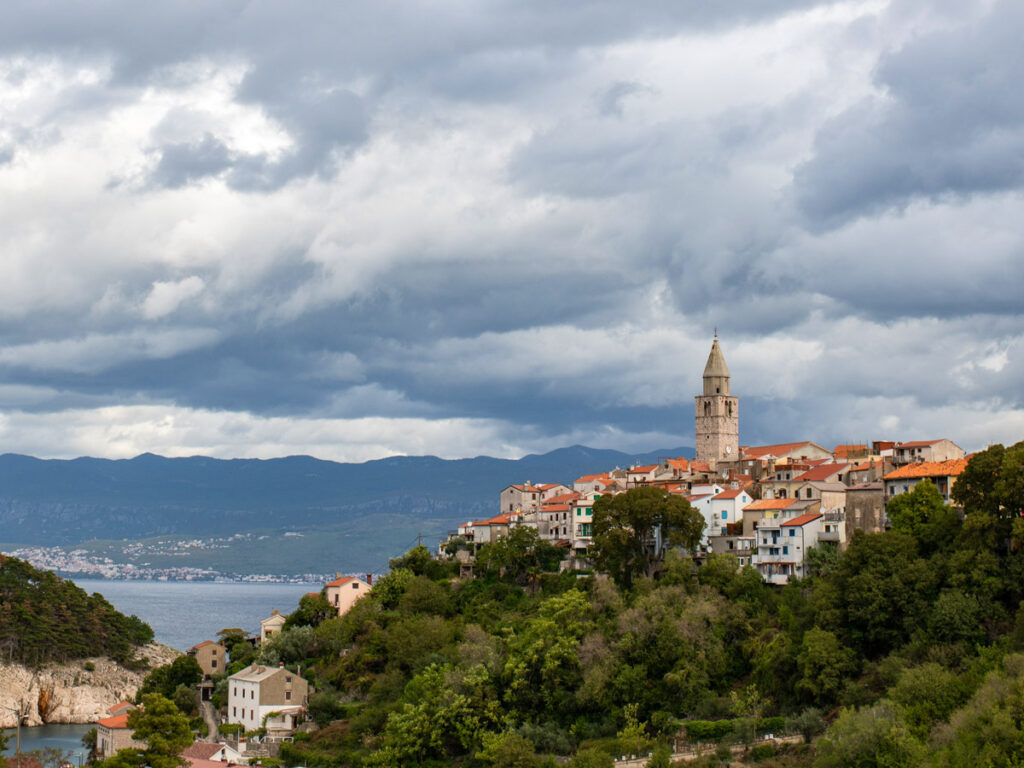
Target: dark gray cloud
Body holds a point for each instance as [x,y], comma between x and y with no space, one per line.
[240,228]
[948,121]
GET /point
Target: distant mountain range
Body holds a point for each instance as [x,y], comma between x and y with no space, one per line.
[60,502]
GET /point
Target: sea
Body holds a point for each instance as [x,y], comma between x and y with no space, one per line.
[182,614]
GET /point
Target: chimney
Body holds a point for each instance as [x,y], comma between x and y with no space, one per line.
[280,665]
[369,579]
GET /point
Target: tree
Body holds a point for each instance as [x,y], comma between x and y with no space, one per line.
[825,665]
[924,514]
[633,530]
[165,680]
[520,556]
[591,758]
[313,610]
[991,492]
[867,738]
[163,728]
[507,750]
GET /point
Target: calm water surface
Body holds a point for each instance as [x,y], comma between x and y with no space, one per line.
[67,738]
[183,613]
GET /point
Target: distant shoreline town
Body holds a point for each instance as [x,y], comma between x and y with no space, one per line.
[79,563]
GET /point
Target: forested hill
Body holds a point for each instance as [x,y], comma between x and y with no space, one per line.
[45,618]
[69,501]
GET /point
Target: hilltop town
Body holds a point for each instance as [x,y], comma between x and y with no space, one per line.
[768,505]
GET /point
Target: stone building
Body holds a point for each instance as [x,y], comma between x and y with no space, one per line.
[717,413]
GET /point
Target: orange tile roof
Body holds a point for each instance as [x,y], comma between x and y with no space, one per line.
[602,477]
[527,488]
[120,706]
[556,507]
[810,517]
[842,451]
[770,504]
[949,468]
[117,721]
[339,582]
[700,466]
[679,463]
[201,645]
[729,494]
[819,473]
[862,466]
[770,450]
[918,443]
[503,519]
[642,470]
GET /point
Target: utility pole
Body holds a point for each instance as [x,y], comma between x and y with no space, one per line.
[20,713]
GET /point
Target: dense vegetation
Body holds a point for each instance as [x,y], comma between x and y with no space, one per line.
[907,647]
[46,618]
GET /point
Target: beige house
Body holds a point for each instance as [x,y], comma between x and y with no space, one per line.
[211,657]
[343,592]
[259,691]
[926,450]
[942,473]
[113,733]
[271,625]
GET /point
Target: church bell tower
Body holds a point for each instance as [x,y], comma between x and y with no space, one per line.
[718,413]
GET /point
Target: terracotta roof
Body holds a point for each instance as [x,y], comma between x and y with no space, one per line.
[863,466]
[729,494]
[340,582]
[770,504]
[201,750]
[527,488]
[700,466]
[195,762]
[771,450]
[502,519]
[949,468]
[203,644]
[556,507]
[603,477]
[643,470]
[120,706]
[545,486]
[842,451]
[679,463]
[117,721]
[803,519]
[819,473]
[918,443]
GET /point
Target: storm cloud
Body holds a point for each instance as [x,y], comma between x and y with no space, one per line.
[355,230]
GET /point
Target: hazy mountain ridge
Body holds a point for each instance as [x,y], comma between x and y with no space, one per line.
[54,501]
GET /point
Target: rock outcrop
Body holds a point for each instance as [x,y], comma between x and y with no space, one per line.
[76,692]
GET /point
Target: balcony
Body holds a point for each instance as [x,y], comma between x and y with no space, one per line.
[828,536]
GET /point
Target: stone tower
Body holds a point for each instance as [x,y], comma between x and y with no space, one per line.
[718,413]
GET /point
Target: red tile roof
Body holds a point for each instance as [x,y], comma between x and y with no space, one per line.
[117,721]
[603,477]
[556,507]
[819,473]
[201,645]
[950,468]
[918,444]
[700,466]
[340,582]
[120,706]
[810,517]
[770,504]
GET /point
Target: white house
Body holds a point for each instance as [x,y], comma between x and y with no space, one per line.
[258,691]
[782,546]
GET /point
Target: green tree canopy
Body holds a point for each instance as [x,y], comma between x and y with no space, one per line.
[632,531]
[924,514]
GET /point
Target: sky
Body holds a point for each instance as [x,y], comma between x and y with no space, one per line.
[351,230]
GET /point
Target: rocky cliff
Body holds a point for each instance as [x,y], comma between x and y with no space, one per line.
[77,692]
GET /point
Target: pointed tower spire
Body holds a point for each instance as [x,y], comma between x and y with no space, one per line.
[716,372]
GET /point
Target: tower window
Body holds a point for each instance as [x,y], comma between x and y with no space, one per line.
[707,408]
[718,390]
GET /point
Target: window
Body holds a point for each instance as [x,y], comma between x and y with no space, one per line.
[234,711]
[785,550]
[792,531]
[355,585]
[287,678]
[287,695]
[213,664]
[725,515]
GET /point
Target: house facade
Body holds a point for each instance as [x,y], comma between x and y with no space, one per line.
[782,546]
[343,592]
[258,691]
[211,657]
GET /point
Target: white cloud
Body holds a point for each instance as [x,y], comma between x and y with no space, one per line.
[166,297]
